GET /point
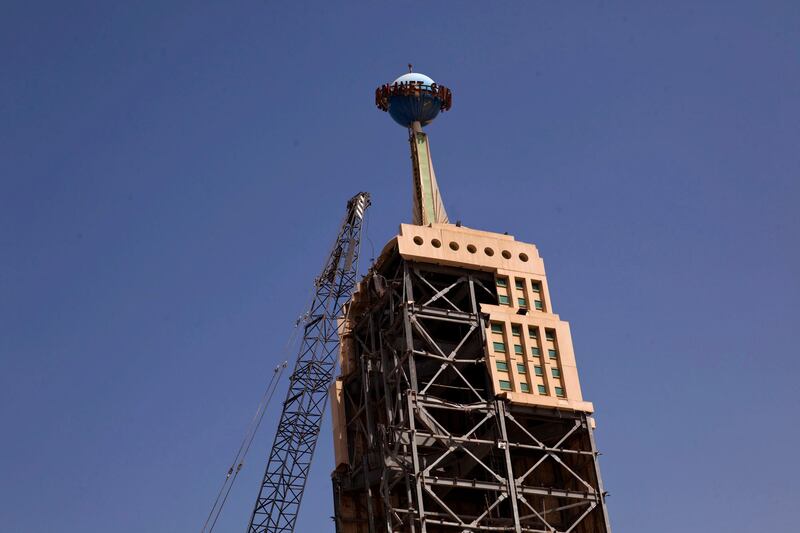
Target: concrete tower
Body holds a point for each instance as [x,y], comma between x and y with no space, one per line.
[458,407]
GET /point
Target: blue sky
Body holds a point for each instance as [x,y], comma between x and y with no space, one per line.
[172,174]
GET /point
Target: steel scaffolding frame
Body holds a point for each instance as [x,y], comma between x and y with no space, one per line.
[431,447]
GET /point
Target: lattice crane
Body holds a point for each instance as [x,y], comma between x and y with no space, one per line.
[281,492]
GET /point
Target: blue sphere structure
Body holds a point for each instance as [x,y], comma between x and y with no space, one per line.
[413,97]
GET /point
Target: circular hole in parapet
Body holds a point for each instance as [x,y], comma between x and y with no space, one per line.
[418,240]
[506,254]
[453,245]
[436,243]
[523,258]
[471,248]
[488,251]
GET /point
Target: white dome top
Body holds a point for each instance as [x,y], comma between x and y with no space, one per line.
[414,77]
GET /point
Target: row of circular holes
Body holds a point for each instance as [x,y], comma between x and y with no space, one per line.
[436,243]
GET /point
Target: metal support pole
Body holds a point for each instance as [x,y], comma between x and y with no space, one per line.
[500,413]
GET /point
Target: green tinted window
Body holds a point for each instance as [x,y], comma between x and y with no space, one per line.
[549,334]
[556,372]
[522,302]
[524,387]
[520,284]
[502,366]
[505,385]
[541,389]
[497,328]
[501,282]
[499,347]
[559,392]
[536,351]
[535,286]
[515,330]
[503,299]
[537,304]
[532,332]
[518,349]
[537,370]
[520,368]
[552,354]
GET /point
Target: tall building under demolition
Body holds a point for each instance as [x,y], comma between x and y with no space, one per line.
[458,407]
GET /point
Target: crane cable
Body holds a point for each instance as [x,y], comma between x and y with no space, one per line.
[238,461]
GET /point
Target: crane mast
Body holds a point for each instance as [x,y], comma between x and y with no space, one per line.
[284,481]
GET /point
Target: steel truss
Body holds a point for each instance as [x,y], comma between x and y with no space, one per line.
[430,447]
[292,450]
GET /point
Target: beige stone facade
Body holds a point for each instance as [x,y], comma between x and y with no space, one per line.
[531,358]
[530,353]
[416,317]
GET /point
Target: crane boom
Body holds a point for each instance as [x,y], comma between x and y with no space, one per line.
[289,461]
